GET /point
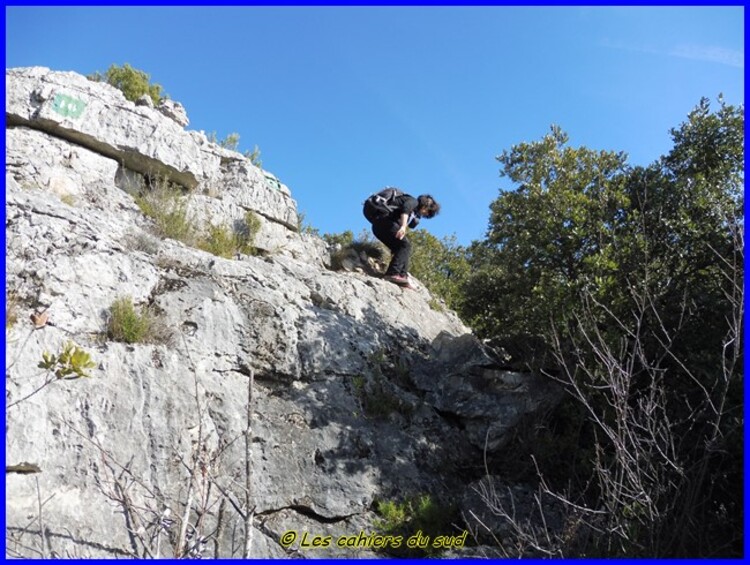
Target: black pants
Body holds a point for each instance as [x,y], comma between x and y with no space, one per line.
[385,230]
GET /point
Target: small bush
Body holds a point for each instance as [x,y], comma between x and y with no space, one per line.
[232,142]
[416,514]
[225,242]
[142,242]
[247,232]
[394,516]
[164,204]
[131,82]
[303,227]
[130,325]
[436,305]
[71,363]
[219,241]
[254,157]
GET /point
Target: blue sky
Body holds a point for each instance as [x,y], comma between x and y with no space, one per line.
[342,101]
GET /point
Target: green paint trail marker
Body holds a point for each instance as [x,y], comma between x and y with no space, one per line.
[68,106]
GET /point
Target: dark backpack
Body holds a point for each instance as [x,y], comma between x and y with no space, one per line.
[381,204]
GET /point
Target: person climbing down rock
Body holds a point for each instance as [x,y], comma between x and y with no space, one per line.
[391,212]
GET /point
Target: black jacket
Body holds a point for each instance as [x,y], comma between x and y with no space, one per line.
[406,204]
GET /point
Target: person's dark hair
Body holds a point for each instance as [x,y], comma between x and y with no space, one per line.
[430,204]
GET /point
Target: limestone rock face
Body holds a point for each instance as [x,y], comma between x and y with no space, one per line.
[142,138]
[362,391]
[489,401]
[174,111]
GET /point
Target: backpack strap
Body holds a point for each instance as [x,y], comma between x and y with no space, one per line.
[381,204]
[387,196]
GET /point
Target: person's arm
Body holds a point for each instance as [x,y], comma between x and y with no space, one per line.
[402,230]
[408,205]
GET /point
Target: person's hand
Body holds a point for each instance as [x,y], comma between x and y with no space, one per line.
[401,232]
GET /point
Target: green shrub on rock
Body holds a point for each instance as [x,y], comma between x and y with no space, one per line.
[132,82]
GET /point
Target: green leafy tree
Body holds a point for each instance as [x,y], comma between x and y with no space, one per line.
[547,239]
[686,256]
[440,264]
[132,82]
[633,279]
